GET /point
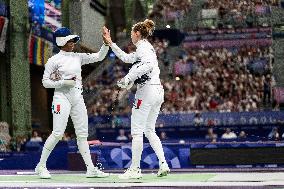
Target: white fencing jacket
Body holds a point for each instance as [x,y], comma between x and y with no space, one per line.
[145,63]
[68,65]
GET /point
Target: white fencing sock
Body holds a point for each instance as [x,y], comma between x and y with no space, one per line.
[49,145]
[137,148]
[156,144]
[84,149]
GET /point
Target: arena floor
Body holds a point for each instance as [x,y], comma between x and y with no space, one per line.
[175,180]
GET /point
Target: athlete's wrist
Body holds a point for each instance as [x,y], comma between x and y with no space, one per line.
[105,44]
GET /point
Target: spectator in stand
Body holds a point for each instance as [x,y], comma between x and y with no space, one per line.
[267,90]
[163,136]
[5,137]
[121,137]
[229,134]
[129,137]
[35,137]
[66,137]
[242,135]
[274,134]
[211,123]
[211,135]
[282,136]
[20,143]
[181,68]
[198,120]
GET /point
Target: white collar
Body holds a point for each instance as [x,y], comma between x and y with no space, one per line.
[65,52]
[140,42]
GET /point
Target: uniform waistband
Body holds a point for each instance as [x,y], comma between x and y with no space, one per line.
[149,84]
[141,87]
[67,90]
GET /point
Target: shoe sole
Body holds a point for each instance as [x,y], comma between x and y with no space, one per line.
[37,172]
[45,177]
[97,176]
[163,174]
[131,178]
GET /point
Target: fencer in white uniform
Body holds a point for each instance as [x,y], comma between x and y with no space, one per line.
[148,98]
[63,73]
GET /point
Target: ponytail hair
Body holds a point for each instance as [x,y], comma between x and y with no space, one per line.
[146,28]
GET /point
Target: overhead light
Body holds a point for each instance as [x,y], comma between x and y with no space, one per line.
[168,26]
[177,78]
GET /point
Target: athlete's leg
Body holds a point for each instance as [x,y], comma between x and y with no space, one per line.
[138,119]
[151,135]
[139,116]
[60,110]
[80,119]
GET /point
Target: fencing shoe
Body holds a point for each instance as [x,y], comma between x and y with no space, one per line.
[96,173]
[42,172]
[131,173]
[164,170]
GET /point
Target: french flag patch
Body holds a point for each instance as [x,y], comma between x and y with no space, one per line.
[138,104]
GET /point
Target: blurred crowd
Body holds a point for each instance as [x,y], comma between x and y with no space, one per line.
[170,9]
[241,136]
[243,6]
[220,80]
[241,13]
[23,143]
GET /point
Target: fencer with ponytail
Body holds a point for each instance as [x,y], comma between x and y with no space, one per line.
[145,73]
[146,28]
[150,26]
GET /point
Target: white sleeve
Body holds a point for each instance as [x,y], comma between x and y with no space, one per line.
[141,68]
[48,70]
[127,58]
[88,58]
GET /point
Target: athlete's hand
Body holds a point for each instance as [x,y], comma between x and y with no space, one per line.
[130,84]
[56,76]
[106,36]
[125,83]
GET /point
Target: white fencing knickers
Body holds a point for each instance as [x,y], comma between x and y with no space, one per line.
[148,101]
[68,102]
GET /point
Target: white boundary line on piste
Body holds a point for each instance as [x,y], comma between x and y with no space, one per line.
[220,179]
[115,185]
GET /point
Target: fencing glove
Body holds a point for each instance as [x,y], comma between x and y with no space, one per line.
[125,83]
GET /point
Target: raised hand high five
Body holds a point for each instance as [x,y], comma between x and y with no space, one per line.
[106,36]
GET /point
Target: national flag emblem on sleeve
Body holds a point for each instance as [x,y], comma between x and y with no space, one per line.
[138,103]
[57,110]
